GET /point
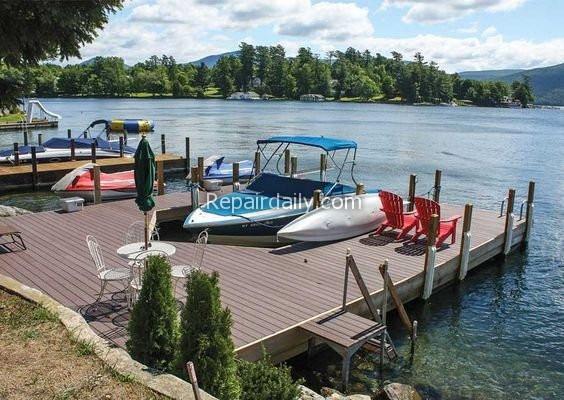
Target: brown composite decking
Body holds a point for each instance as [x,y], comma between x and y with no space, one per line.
[269,291]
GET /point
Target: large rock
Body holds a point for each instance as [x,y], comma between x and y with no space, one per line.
[9,211]
[398,391]
[358,397]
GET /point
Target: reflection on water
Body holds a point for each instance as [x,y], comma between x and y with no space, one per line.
[497,335]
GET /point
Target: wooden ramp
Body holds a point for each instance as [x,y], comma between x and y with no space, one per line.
[271,292]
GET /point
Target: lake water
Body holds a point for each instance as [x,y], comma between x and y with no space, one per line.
[499,334]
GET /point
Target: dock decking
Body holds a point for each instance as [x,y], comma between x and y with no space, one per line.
[270,292]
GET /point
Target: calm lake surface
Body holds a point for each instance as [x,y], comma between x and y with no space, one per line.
[499,334]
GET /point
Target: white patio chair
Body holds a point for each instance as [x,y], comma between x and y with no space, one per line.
[105,274]
[137,269]
[179,272]
[136,233]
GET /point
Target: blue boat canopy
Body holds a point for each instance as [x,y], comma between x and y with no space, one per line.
[325,143]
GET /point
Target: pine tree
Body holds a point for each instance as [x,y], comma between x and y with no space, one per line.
[206,337]
[153,328]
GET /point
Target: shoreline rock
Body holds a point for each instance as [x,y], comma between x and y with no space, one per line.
[11,211]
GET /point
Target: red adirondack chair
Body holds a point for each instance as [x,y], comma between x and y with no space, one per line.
[396,218]
[447,227]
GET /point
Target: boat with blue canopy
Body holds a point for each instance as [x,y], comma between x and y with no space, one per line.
[274,197]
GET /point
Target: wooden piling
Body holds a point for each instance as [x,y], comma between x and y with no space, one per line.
[411,192]
[287,161]
[160,178]
[16,154]
[437,187]
[163,143]
[97,186]
[465,242]
[322,167]
[293,166]
[509,219]
[39,139]
[25,137]
[430,254]
[257,163]
[34,176]
[187,153]
[93,153]
[121,146]
[201,171]
[194,175]
[69,133]
[191,371]
[72,150]
[235,176]
[316,198]
[404,318]
[413,340]
[360,188]
[529,213]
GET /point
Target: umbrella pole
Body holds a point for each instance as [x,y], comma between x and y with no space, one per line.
[146,231]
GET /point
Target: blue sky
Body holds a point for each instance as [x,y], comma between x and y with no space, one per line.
[458,34]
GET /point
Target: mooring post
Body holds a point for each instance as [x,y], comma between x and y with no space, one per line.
[413,339]
[201,171]
[323,167]
[529,213]
[316,198]
[465,242]
[411,192]
[430,257]
[97,188]
[360,188]
[257,163]
[16,154]
[72,150]
[39,139]
[160,178]
[287,161]
[25,137]
[163,143]
[437,187]
[194,188]
[93,153]
[121,146]
[509,219]
[293,166]
[187,152]
[69,133]
[235,176]
[34,177]
[191,371]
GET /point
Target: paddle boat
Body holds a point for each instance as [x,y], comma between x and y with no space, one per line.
[272,198]
[80,183]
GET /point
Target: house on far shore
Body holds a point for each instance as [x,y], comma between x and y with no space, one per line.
[244,96]
[312,97]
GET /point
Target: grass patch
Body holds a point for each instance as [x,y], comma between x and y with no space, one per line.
[16,117]
[83,348]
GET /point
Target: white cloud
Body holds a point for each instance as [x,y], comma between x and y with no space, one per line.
[435,11]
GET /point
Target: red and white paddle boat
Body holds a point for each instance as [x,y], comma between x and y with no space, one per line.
[80,183]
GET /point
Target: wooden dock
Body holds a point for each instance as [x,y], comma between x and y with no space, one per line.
[20,125]
[271,293]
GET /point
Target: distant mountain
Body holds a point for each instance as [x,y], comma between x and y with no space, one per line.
[547,82]
[90,61]
[210,61]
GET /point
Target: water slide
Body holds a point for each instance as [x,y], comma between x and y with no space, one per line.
[34,103]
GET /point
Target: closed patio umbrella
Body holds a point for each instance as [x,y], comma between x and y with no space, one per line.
[144,180]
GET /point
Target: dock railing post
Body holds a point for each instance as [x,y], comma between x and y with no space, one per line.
[39,139]
[160,178]
[465,242]
[163,143]
[437,187]
[97,188]
[93,152]
[293,166]
[34,177]
[200,171]
[287,160]
[316,198]
[187,154]
[235,176]
[16,154]
[72,150]
[256,164]
[25,137]
[322,167]
[429,272]
[121,146]
[509,219]
[529,214]
[411,192]
[360,188]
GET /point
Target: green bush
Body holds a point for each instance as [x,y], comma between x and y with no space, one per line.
[263,381]
[206,337]
[153,328]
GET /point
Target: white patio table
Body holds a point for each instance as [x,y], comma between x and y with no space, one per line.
[132,250]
